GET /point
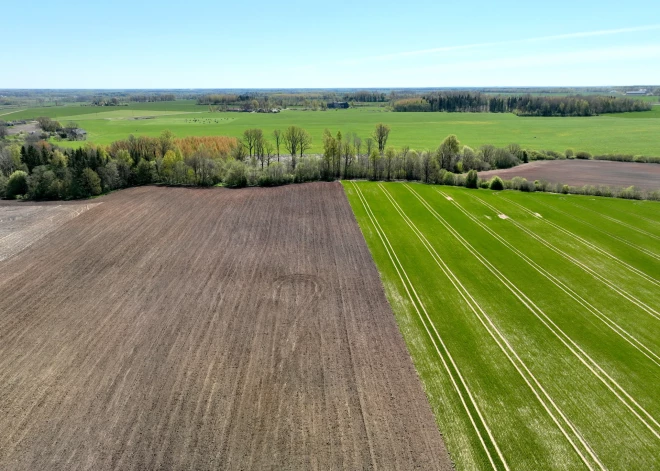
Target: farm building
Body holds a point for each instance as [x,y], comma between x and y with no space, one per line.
[640,92]
[77,134]
[338,104]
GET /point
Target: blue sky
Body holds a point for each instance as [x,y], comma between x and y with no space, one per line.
[265,44]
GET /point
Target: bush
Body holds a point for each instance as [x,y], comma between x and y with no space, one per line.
[552,155]
[448,179]
[236,175]
[275,174]
[519,183]
[569,153]
[504,159]
[496,183]
[485,184]
[17,184]
[472,179]
[583,155]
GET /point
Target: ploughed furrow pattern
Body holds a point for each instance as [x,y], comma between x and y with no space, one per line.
[22,224]
[207,329]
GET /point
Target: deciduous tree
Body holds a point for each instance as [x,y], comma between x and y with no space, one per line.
[380,135]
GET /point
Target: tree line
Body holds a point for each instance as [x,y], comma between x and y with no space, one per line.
[525,105]
[41,170]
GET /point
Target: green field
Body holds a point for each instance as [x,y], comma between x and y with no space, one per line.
[532,319]
[598,135]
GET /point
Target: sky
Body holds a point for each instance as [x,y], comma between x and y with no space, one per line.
[307,44]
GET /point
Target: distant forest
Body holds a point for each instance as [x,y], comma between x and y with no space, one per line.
[526,105]
[524,101]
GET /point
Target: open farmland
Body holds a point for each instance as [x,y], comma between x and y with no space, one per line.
[598,135]
[585,172]
[532,319]
[172,328]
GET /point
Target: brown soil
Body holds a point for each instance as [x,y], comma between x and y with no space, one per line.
[31,127]
[22,224]
[207,329]
[585,172]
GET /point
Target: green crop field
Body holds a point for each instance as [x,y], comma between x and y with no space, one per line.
[532,319]
[602,134]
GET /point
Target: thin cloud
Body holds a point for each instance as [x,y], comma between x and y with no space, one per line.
[557,37]
[603,56]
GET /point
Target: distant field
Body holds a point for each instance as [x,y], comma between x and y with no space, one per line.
[533,320]
[585,172]
[602,134]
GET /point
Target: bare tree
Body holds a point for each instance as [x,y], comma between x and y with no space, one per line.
[357,142]
[260,149]
[269,151]
[381,133]
[403,157]
[277,135]
[304,141]
[370,145]
[390,155]
[250,137]
[291,138]
[347,151]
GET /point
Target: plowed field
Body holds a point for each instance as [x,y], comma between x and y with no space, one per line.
[585,172]
[207,329]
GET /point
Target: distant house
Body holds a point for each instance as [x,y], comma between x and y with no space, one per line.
[640,92]
[338,104]
[77,134]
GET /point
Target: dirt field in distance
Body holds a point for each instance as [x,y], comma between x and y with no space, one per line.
[172,328]
[585,172]
[23,223]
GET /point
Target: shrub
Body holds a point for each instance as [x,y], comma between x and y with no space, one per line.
[472,179]
[504,159]
[448,179]
[583,155]
[496,183]
[553,155]
[236,175]
[17,184]
[275,174]
[484,184]
[565,189]
[569,153]
[631,193]
[307,170]
[521,184]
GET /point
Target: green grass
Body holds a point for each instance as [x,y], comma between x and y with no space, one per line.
[524,287]
[602,134]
